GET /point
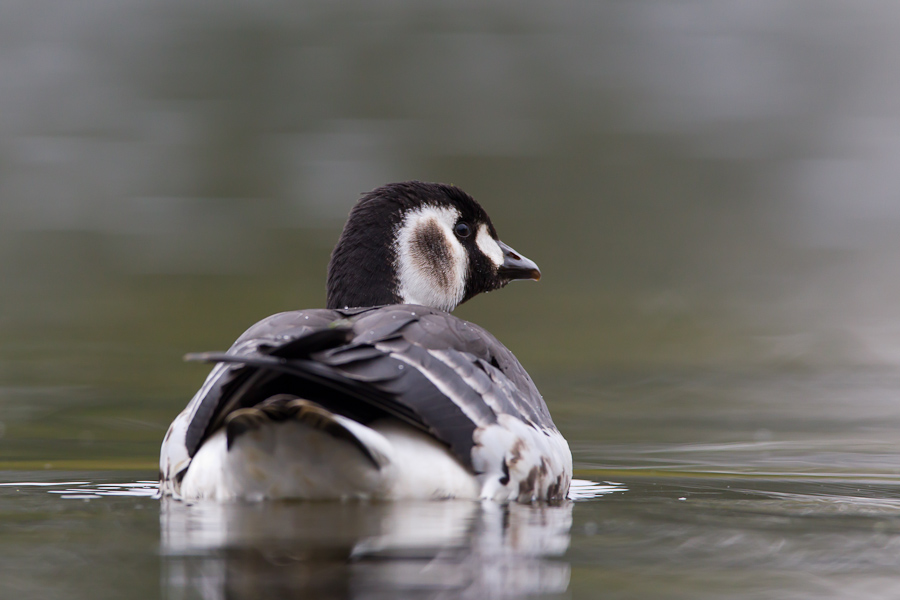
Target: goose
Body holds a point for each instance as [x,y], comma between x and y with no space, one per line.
[383,394]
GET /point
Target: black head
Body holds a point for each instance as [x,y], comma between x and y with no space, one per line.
[420,243]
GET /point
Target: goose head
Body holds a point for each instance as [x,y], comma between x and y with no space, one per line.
[420,243]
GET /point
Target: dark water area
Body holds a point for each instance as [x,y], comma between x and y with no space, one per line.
[709,189]
[704,485]
[666,537]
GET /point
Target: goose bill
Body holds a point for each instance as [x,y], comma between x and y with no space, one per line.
[516,266]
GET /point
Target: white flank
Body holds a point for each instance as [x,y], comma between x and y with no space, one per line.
[489,245]
[524,449]
[292,460]
[173,456]
[421,281]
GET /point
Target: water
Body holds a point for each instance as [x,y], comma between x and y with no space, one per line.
[708,188]
[750,500]
[666,537]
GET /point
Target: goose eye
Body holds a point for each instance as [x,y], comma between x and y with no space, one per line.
[463,230]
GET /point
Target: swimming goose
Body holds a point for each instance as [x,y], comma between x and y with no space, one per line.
[383,394]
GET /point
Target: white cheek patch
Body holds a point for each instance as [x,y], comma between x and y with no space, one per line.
[432,266]
[489,245]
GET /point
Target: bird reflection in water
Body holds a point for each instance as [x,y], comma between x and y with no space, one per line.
[454,549]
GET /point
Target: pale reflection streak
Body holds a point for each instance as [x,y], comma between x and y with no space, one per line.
[455,549]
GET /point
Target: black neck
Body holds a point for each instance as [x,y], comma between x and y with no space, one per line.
[361,271]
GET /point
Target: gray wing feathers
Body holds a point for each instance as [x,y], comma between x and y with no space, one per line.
[226,381]
[464,346]
[441,374]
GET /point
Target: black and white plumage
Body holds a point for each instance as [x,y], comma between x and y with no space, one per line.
[383,394]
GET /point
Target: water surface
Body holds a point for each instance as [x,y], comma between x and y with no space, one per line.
[772,502]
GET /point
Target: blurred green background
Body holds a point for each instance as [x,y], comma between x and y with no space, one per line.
[705,185]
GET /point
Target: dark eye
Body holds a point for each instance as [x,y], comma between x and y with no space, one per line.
[463,230]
